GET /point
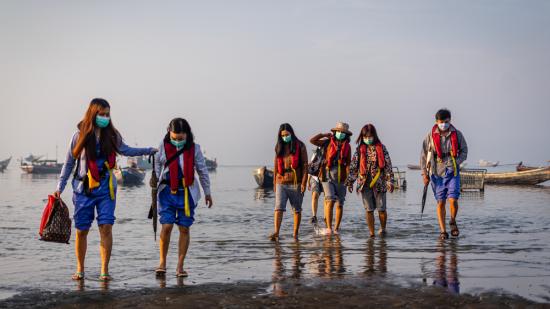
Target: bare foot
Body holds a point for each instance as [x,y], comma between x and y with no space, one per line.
[274,237]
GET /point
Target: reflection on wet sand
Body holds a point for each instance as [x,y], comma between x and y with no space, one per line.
[446,267]
[279,272]
[376,257]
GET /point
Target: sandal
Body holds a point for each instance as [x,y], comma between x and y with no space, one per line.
[454,228]
[382,232]
[443,235]
[78,276]
[105,277]
[274,237]
[160,271]
[182,274]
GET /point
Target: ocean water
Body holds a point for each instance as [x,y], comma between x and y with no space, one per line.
[504,243]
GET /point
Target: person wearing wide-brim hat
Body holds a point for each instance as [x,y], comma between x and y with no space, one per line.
[334,170]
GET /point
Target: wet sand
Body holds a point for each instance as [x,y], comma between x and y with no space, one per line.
[331,293]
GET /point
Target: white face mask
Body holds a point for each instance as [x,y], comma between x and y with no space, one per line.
[443,126]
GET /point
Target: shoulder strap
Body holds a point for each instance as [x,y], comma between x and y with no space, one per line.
[174,157]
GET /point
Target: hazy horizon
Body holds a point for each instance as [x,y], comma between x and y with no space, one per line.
[237,70]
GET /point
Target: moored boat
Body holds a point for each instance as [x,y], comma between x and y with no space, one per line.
[42,167]
[132,176]
[264,177]
[529,177]
[211,165]
[4,164]
[413,167]
[520,167]
[485,163]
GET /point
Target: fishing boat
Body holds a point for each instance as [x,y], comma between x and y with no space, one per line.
[39,166]
[520,167]
[264,177]
[211,165]
[529,177]
[4,164]
[485,163]
[413,167]
[131,176]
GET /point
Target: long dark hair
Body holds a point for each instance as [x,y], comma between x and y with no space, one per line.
[368,129]
[180,125]
[109,138]
[280,146]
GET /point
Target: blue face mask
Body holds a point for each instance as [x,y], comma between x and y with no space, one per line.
[340,135]
[177,144]
[102,121]
[368,140]
[287,138]
[443,126]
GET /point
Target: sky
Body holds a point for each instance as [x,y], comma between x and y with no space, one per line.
[236,70]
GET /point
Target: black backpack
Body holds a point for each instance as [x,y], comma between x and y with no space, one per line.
[314,166]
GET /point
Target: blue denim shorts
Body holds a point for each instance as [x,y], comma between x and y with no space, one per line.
[288,193]
[172,208]
[447,186]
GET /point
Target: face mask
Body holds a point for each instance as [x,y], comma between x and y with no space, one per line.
[340,135]
[287,138]
[102,121]
[177,144]
[368,140]
[443,126]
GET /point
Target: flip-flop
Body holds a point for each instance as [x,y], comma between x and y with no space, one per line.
[105,277]
[443,235]
[182,274]
[382,232]
[78,276]
[160,271]
[454,228]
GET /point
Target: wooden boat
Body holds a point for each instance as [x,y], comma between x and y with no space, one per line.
[530,177]
[42,167]
[132,176]
[485,163]
[264,177]
[143,163]
[520,167]
[211,165]
[4,164]
[413,167]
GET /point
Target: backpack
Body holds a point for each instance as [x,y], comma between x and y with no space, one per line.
[56,223]
[317,161]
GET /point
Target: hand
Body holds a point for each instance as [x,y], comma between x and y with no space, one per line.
[302,189]
[350,189]
[328,134]
[57,194]
[309,187]
[391,187]
[208,200]
[426,179]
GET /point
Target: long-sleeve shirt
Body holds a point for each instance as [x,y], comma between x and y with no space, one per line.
[287,178]
[70,162]
[386,175]
[200,168]
[438,167]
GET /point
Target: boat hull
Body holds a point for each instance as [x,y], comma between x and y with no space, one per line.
[264,177]
[530,177]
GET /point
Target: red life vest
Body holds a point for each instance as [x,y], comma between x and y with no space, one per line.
[188,166]
[93,169]
[294,163]
[363,158]
[333,148]
[436,137]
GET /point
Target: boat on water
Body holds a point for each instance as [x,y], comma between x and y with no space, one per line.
[485,163]
[528,177]
[520,167]
[143,163]
[413,167]
[40,166]
[263,177]
[129,176]
[211,165]
[4,164]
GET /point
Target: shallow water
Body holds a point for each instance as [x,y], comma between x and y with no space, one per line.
[504,243]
